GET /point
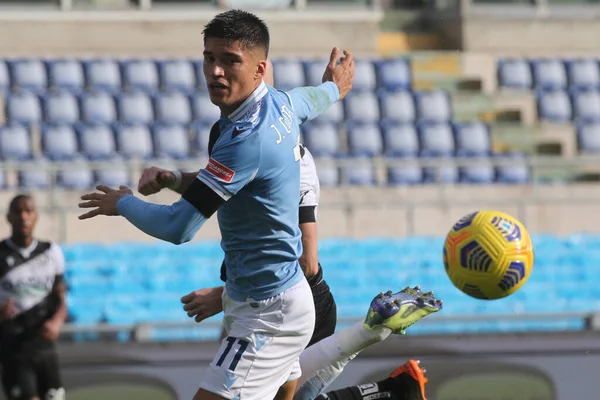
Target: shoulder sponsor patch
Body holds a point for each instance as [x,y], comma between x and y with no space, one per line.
[220,171]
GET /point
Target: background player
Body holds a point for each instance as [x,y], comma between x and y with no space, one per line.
[33,310]
[252,179]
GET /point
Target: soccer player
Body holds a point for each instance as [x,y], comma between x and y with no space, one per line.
[252,179]
[32,308]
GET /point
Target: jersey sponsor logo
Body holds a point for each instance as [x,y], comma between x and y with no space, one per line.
[220,171]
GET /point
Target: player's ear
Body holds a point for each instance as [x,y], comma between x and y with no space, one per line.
[261,69]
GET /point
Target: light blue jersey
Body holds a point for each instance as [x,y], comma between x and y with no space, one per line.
[253,180]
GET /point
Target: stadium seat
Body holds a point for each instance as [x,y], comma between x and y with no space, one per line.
[15,142]
[23,108]
[201,133]
[59,142]
[361,107]
[586,105]
[173,107]
[480,172]
[135,107]
[583,74]
[554,106]
[103,75]
[5,84]
[436,139]
[394,74]
[549,74]
[177,75]
[114,175]
[171,141]
[333,115]
[36,178]
[97,107]
[400,140]
[409,174]
[97,141]
[365,78]
[199,73]
[203,110]
[134,141]
[433,106]
[61,107]
[313,71]
[472,139]
[361,172]
[517,172]
[140,75]
[447,173]
[66,74]
[588,135]
[79,177]
[328,172]
[364,140]
[288,74]
[321,139]
[398,106]
[28,74]
[515,73]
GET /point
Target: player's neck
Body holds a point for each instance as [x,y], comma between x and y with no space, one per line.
[21,241]
[230,109]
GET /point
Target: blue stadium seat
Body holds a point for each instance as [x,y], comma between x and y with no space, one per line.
[171,141]
[472,139]
[549,74]
[173,107]
[5,84]
[23,108]
[203,110]
[554,106]
[436,139]
[394,74]
[15,142]
[59,142]
[321,139]
[365,78]
[583,74]
[140,74]
[177,74]
[364,139]
[114,175]
[586,105]
[313,71]
[447,173]
[28,74]
[361,172]
[400,140]
[361,107]
[135,107]
[61,107]
[288,74]
[97,141]
[588,135]
[405,174]
[66,74]
[433,106]
[103,75]
[328,172]
[479,172]
[201,133]
[80,177]
[199,73]
[134,141]
[398,106]
[38,178]
[333,115]
[517,172]
[98,107]
[515,73]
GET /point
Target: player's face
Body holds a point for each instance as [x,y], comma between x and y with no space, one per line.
[22,217]
[232,72]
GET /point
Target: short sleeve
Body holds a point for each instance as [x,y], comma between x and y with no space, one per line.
[232,165]
[309,182]
[58,259]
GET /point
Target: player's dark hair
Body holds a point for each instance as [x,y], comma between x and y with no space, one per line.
[242,26]
[15,200]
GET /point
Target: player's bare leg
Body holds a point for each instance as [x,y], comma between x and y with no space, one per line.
[287,390]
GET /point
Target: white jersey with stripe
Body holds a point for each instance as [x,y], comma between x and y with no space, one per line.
[310,189]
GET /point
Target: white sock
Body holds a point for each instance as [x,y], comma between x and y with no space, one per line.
[322,362]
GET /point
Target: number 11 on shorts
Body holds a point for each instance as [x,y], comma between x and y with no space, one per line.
[243,345]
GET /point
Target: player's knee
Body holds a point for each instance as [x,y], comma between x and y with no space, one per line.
[55,394]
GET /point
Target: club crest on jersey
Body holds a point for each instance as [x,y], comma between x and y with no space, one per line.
[220,171]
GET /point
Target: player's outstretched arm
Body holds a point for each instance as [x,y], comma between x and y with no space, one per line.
[155,179]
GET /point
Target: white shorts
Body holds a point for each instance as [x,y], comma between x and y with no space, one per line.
[263,344]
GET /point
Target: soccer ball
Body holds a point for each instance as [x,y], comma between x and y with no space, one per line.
[488,255]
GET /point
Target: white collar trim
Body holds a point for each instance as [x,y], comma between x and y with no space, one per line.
[247,105]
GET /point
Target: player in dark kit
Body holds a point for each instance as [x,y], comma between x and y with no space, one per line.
[32,308]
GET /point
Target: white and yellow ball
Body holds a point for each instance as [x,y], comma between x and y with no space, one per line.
[488,255]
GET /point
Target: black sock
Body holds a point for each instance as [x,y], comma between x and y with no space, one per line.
[382,390]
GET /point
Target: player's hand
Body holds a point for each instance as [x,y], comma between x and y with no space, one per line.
[8,310]
[50,330]
[104,203]
[203,303]
[341,74]
[155,179]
